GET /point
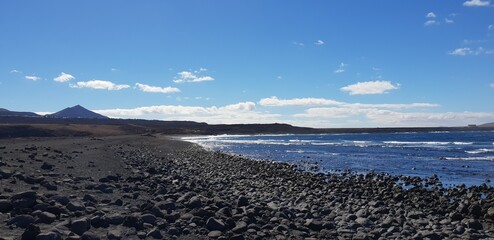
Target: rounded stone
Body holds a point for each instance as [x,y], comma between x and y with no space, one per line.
[22,221]
[46,217]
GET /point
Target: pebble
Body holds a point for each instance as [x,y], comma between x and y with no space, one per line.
[46,217]
[214,224]
[79,226]
[114,234]
[22,221]
[5,206]
[215,234]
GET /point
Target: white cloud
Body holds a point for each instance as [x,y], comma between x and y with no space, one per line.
[154,89]
[275,102]
[430,23]
[298,44]
[334,112]
[468,51]
[483,51]
[189,77]
[243,107]
[32,77]
[476,3]
[15,71]
[244,112]
[447,20]
[390,118]
[43,113]
[461,51]
[306,102]
[430,15]
[372,87]
[386,118]
[64,77]
[341,68]
[319,42]
[99,84]
[340,115]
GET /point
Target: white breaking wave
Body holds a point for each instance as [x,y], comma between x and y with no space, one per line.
[487,158]
[480,151]
[415,143]
[326,144]
[295,151]
[462,143]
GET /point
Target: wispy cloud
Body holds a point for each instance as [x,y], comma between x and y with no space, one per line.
[430,15]
[319,42]
[99,84]
[461,51]
[192,77]
[468,51]
[341,68]
[449,21]
[431,19]
[476,3]
[64,77]
[308,102]
[492,85]
[154,89]
[32,77]
[298,44]
[431,22]
[371,87]
[490,27]
[468,41]
[15,71]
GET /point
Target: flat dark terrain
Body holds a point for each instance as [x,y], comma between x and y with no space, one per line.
[21,126]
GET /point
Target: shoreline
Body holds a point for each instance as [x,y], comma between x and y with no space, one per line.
[131,187]
[305,155]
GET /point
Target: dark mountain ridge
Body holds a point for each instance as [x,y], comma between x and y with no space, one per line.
[5,112]
[76,112]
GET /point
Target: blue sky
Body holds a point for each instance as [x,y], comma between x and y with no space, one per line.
[309,63]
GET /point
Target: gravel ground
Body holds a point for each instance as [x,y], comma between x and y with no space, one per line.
[152,187]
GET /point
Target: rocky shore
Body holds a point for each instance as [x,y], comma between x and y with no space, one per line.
[151,187]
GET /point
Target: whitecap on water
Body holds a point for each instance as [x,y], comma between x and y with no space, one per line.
[486,158]
[480,151]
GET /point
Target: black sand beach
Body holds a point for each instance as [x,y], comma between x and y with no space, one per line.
[137,187]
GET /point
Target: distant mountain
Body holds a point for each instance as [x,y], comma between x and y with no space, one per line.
[5,112]
[76,112]
[489,125]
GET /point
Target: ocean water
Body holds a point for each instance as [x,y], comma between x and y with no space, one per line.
[455,157]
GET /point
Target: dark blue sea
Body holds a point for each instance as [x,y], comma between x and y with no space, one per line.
[455,157]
